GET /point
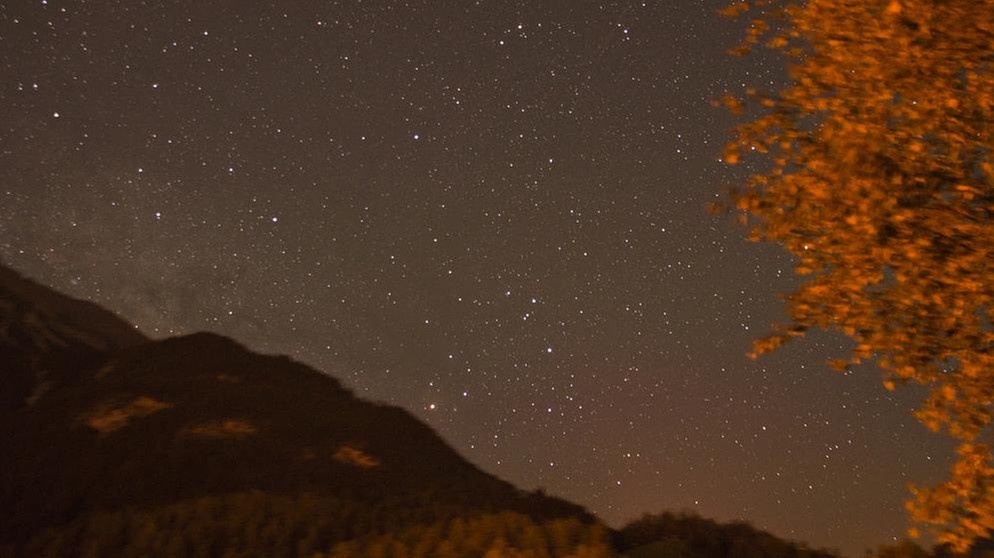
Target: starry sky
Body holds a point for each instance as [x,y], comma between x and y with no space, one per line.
[491,213]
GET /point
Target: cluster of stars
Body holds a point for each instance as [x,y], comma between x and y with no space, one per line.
[491,215]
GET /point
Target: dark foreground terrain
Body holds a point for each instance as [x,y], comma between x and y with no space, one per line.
[112,444]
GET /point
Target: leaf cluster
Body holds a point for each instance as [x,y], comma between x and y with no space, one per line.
[880,182]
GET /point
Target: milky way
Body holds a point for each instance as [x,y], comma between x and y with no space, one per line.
[490,213]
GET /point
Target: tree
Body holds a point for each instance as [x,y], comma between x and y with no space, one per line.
[879,180]
[903,549]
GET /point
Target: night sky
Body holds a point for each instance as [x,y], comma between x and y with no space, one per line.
[490,213]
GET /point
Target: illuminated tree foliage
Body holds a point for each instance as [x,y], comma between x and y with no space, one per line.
[878,178]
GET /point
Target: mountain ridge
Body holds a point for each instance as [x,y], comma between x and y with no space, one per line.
[113,444]
[154,423]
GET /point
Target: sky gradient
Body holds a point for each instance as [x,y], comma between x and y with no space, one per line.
[490,213]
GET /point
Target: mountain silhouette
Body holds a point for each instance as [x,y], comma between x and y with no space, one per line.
[98,418]
[45,334]
[113,444]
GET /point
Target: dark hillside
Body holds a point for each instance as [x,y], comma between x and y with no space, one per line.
[114,445]
[129,424]
[45,334]
[681,535]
